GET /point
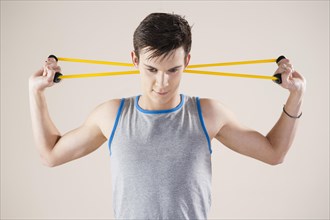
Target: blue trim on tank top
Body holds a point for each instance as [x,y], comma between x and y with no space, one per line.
[158,111]
[203,124]
[122,101]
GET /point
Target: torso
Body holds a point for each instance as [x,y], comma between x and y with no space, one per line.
[157,159]
[213,122]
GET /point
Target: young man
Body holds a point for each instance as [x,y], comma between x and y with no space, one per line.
[160,141]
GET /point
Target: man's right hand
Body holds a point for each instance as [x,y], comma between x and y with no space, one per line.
[44,77]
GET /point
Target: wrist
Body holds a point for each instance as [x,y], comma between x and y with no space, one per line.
[296,96]
[298,90]
[292,107]
[291,116]
[34,90]
[34,86]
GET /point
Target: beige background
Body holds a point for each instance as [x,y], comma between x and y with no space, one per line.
[243,188]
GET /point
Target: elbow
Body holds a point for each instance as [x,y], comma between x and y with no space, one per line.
[48,164]
[48,161]
[276,155]
[277,160]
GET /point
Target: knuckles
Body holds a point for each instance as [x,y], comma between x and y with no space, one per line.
[51,59]
[284,61]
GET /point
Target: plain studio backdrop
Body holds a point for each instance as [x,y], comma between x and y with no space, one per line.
[243,188]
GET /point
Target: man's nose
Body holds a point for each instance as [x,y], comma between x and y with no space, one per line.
[162,79]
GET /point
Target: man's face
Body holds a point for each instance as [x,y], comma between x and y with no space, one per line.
[161,76]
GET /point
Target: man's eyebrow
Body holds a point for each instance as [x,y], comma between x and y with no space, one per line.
[176,67]
[151,67]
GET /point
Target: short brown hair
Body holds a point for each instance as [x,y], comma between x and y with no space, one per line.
[162,33]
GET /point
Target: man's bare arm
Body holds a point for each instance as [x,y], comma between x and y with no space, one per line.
[271,148]
[54,148]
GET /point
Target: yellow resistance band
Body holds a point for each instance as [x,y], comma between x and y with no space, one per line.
[189,66]
[85,75]
[95,62]
[187,70]
[231,63]
[230,74]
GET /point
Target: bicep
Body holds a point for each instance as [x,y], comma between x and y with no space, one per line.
[77,143]
[223,125]
[86,138]
[245,141]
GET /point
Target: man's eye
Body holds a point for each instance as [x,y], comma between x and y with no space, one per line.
[152,70]
[173,70]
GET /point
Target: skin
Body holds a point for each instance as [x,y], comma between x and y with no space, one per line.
[160,82]
[160,79]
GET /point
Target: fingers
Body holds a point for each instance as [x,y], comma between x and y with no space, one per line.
[285,60]
[297,75]
[50,73]
[51,59]
[291,79]
[58,69]
[51,62]
[44,77]
[50,68]
[284,66]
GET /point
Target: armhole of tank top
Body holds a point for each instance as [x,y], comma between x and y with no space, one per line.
[122,101]
[199,109]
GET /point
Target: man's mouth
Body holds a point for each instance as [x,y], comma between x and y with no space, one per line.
[161,93]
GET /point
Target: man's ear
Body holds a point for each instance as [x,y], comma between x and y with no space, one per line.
[187,60]
[135,59]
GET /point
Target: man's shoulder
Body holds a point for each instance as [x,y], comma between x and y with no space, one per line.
[109,104]
[108,108]
[207,105]
[214,115]
[211,104]
[213,108]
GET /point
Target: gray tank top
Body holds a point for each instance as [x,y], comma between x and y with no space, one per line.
[160,162]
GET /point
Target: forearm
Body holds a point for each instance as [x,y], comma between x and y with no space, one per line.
[282,134]
[45,133]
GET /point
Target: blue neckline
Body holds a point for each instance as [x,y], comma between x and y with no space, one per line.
[158,111]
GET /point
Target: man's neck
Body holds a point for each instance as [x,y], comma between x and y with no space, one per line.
[151,103]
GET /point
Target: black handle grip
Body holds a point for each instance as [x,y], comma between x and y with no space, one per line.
[278,76]
[278,79]
[57,74]
[56,77]
[53,56]
[280,58]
